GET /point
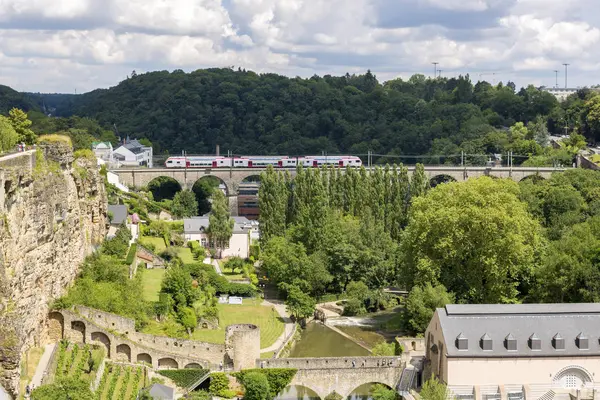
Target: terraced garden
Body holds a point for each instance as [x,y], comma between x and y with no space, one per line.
[120,382]
[77,361]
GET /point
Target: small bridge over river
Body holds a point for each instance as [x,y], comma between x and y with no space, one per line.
[233,177]
[340,374]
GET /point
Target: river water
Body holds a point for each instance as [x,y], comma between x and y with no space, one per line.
[318,340]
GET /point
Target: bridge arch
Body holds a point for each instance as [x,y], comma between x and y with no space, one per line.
[298,391]
[55,326]
[124,352]
[193,365]
[368,386]
[254,178]
[144,358]
[102,339]
[439,179]
[167,363]
[164,187]
[77,331]
[534,178]
[203,188]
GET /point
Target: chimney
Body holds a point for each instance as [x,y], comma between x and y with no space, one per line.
[218,150]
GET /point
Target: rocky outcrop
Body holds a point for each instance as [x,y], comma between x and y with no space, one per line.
[52,214]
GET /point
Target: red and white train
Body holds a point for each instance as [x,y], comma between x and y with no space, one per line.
[261,161]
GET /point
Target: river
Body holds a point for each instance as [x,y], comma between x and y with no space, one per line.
[318,340]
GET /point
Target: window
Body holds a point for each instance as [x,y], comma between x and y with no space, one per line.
[486,342]
[510,342]
[558,342]
[462,343]
[582,342]
[535,343]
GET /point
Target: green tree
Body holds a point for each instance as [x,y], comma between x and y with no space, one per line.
[434,390]
[21,124]
[221,224]
[384,349]
[219,384]
[574,143]
[382,392]
[475,237]
[8,135]
[64,389]
[419,182]
[273,202]
[298,303]
[538,131]
[184,204]
[256,386]
[188,319]
[203,189]
[421,304]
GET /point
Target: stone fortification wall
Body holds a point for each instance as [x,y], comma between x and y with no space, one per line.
[52,213]
[108,322]
[242,345]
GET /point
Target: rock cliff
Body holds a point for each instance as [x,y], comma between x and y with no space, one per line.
[52,214]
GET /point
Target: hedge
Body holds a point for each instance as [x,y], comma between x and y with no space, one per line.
[131,254]
[184,377]
[278,378]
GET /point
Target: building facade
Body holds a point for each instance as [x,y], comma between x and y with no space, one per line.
[516,351]
[133,154]
[248,200]
[103,151]
[245,232]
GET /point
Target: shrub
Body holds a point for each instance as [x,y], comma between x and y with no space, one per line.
[85,153]
[50,139]
[256,385]
[219,384]
[277,378]
[334,396]
[384,349]
[131,254]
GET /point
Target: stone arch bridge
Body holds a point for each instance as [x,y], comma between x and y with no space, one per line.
[342,374]
[233,177]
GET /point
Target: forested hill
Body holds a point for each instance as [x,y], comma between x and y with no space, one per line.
[250,113]
[10,98]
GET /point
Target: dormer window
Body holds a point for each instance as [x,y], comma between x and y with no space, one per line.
[462,343]
[558,342]
[486,342]
[582,342]
[535,343]
[510,342]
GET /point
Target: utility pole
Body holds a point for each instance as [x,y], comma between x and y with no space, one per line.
[440,73]
[566,72]
[556,73]
[435,64]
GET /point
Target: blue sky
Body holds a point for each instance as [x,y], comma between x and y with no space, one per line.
[68,45]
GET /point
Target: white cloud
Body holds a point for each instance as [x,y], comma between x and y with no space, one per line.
[95,43]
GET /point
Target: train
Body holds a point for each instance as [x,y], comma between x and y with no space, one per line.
[261,161]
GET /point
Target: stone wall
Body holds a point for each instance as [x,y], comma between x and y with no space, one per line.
[52,214]
[332,362]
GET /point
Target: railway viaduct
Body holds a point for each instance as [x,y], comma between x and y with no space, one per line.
[233,177]
[340,374]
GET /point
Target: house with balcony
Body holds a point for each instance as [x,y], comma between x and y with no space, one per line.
[515,351]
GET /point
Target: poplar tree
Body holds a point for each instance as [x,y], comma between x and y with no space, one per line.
[272,201]
[220,226]
[419,182]
[377,194]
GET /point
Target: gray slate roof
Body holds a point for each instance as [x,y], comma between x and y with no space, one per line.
[162,392]
[200,224]
[520,321]
[134,146]
[119,213]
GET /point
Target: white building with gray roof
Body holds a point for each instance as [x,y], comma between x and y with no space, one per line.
[516,351]
[245,232]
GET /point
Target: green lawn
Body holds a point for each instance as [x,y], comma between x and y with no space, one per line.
[185,253]
[251,312]
[152,280]
[159,243]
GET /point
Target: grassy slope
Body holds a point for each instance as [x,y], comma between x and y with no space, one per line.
[152,280]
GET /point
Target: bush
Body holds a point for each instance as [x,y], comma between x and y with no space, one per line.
[334,396]
[277,378]
[421,304]
[219,384]
[384,349]
[50,139]
[256,385]
[148,245]
[131,254]
[85,153]
[354,307]
[184,377]
[168,254]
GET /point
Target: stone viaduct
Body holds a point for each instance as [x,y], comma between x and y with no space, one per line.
[342,374]
[122,343]
[233,177]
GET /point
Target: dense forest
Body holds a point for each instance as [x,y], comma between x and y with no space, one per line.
[249,113]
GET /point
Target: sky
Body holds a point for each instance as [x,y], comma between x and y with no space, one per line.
[69,46]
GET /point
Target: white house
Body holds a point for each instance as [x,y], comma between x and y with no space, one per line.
[132,154]
[103,151]
[244,232]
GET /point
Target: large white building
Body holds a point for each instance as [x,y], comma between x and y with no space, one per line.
[133,154]
[516,351]
[244,233]
[103,151]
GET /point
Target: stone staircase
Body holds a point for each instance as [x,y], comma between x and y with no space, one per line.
[407,381]
[198,382]
[549,395]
